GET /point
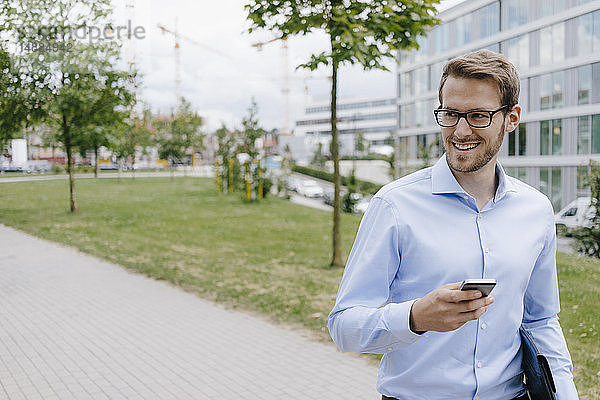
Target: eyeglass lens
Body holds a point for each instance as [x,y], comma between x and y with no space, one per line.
[474,118]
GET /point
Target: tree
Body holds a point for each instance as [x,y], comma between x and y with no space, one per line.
[359,32]
[251,131]
[180,135]
[18,108]
[72,78]
[136,135]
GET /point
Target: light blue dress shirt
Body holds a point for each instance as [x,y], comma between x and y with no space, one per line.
[424,231]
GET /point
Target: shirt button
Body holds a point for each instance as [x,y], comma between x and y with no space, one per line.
[389,349]
[486,250]
[479,364]
[483,326]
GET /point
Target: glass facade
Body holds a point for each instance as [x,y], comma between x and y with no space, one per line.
[517,141]
[588,134]
[551,90]
[489,20]
[547,34]
[552,44]
[551,137]
[517,13]
[517,50]
[584,84]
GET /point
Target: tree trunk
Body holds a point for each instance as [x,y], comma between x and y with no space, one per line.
[95,161]
[337,203]
[68,146]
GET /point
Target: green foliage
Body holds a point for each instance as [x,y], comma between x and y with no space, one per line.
[251,131]
[135,134]
[365,187]
[587,239]
[180,135]
[72,84]
[318,160]
[360,32]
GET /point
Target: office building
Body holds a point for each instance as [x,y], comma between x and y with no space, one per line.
[372,118]
[555,45]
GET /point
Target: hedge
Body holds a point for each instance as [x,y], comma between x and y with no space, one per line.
[365,186]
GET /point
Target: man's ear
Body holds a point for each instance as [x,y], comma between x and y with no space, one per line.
[513,117]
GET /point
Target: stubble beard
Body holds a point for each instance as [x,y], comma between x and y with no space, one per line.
[460,164]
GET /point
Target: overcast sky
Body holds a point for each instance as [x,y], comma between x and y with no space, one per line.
[222,73]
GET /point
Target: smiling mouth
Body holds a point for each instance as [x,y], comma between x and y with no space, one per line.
[464,146]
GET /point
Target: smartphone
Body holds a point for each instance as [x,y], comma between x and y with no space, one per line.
[485,286]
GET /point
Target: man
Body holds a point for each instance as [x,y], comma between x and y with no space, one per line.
[425,233]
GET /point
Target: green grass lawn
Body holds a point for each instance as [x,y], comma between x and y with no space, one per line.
[268,258]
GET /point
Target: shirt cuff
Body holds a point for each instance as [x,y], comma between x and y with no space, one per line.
[398,317]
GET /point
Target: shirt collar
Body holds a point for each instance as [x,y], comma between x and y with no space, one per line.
[443,181]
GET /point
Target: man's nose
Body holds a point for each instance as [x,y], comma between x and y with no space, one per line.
[462,128]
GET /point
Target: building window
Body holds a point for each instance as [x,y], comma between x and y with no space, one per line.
[551,7]
[406,111]
[421,146]
[517,51]
[552,44]
[489,21]
[583,135]
[517,172]
[583,180]
[423,113]
[551,90]
[421,80]
[462,29]
[588,134]
[517,12]
[406,88]
[585,33]
[596,36]
[596,134]
[588,33]
[517,141]
[550,178]
[584,84]
[435,74]
[524,95]
[551,137]
[440,38]
[423,51]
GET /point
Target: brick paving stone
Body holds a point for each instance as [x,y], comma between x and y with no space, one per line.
[75,327]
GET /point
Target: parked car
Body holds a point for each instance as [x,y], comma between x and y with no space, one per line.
[576,214]
[361,206]
[292,183]
[310,188]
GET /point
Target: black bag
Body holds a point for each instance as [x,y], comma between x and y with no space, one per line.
[538,376]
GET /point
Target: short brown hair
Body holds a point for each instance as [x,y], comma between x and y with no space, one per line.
[485,64]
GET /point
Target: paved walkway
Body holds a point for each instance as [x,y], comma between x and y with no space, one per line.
[74,327]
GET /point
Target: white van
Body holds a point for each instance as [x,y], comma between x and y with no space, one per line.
[576,214]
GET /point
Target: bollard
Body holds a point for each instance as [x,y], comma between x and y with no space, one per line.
[230,186]
[218,176]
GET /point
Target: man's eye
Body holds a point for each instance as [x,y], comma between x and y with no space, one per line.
[450,114]
[478,116]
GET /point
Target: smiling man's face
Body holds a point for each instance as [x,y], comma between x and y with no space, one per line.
[470,149]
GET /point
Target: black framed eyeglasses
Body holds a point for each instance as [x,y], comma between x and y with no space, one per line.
[475,118]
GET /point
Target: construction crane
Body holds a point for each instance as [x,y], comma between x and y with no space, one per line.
[178,37]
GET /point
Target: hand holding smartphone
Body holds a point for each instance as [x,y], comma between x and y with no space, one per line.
[485,286]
